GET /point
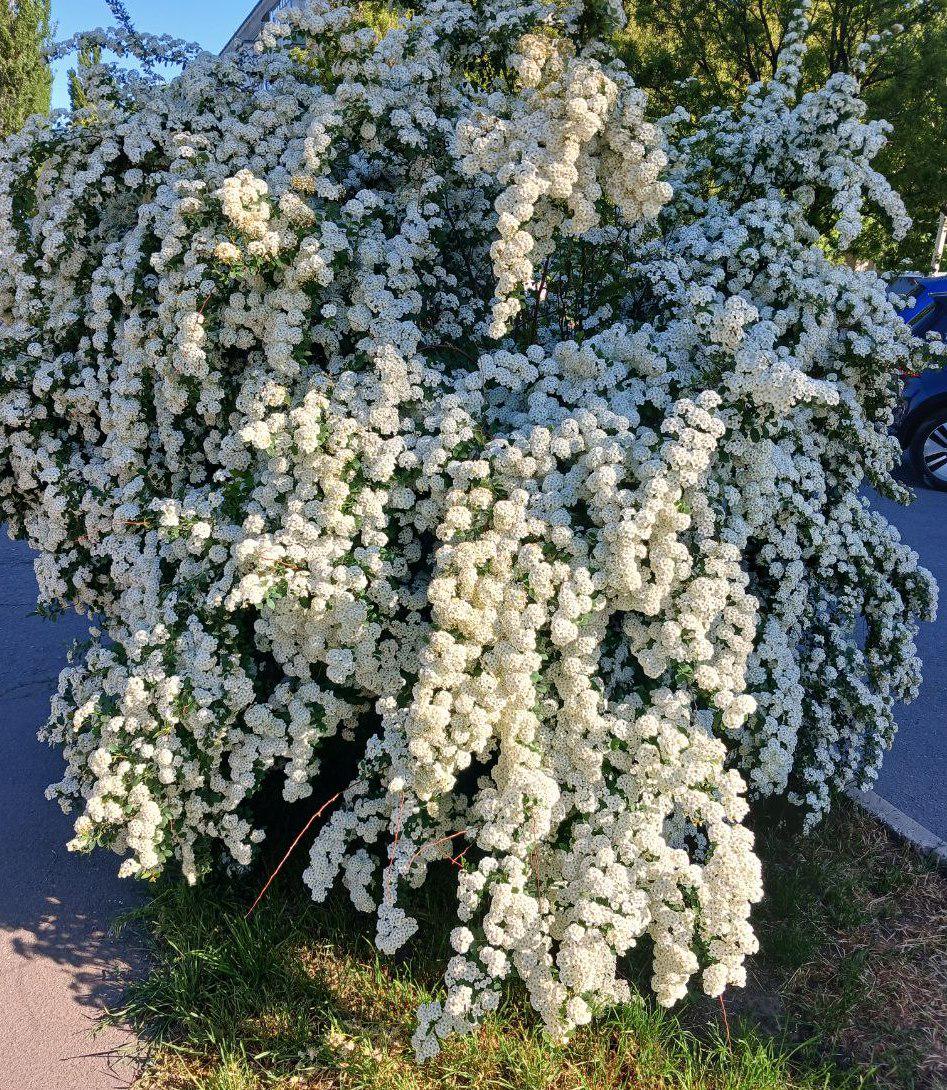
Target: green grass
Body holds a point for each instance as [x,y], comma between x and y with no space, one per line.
[296,996]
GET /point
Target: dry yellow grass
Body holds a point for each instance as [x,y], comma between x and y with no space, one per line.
[878,983]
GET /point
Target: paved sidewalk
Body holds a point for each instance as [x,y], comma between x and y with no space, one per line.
[57,959]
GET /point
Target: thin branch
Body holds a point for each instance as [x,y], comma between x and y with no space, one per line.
[289,852]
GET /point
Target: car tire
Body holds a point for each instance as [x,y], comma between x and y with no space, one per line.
[929,450]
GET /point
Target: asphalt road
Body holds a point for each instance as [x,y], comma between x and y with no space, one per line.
[914,775]
[58,959]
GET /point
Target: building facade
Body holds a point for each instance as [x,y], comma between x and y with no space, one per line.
[249,29]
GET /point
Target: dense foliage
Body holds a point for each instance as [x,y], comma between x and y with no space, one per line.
[397,383]
[25,78]
[709,53]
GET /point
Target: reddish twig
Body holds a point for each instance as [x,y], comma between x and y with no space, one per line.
[726,1022]
[394,845]
[302,833]
[455,859]
[434,843]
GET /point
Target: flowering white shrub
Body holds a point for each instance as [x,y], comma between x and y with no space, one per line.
[406,387]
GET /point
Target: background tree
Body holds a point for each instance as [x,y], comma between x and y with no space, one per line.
[707,54]
[914,99]
[89,55]
[25,78]
[91,78]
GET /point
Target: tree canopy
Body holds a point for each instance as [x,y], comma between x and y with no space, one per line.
[25,78]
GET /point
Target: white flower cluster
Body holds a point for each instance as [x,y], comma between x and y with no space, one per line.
[396,383]
[576,133]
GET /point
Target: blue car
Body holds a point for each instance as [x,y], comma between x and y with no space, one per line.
[921,421]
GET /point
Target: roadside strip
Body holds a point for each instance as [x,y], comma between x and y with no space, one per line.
[903,826]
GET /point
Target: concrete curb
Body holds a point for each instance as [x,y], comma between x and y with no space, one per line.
[903,826]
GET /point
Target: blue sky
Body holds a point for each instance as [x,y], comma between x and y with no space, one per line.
[209,22]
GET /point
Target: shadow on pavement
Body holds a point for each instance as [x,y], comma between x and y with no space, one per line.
[59,963]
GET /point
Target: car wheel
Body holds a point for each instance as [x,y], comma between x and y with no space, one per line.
[929,450]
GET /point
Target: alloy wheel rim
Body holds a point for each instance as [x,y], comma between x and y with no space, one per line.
[935,452]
